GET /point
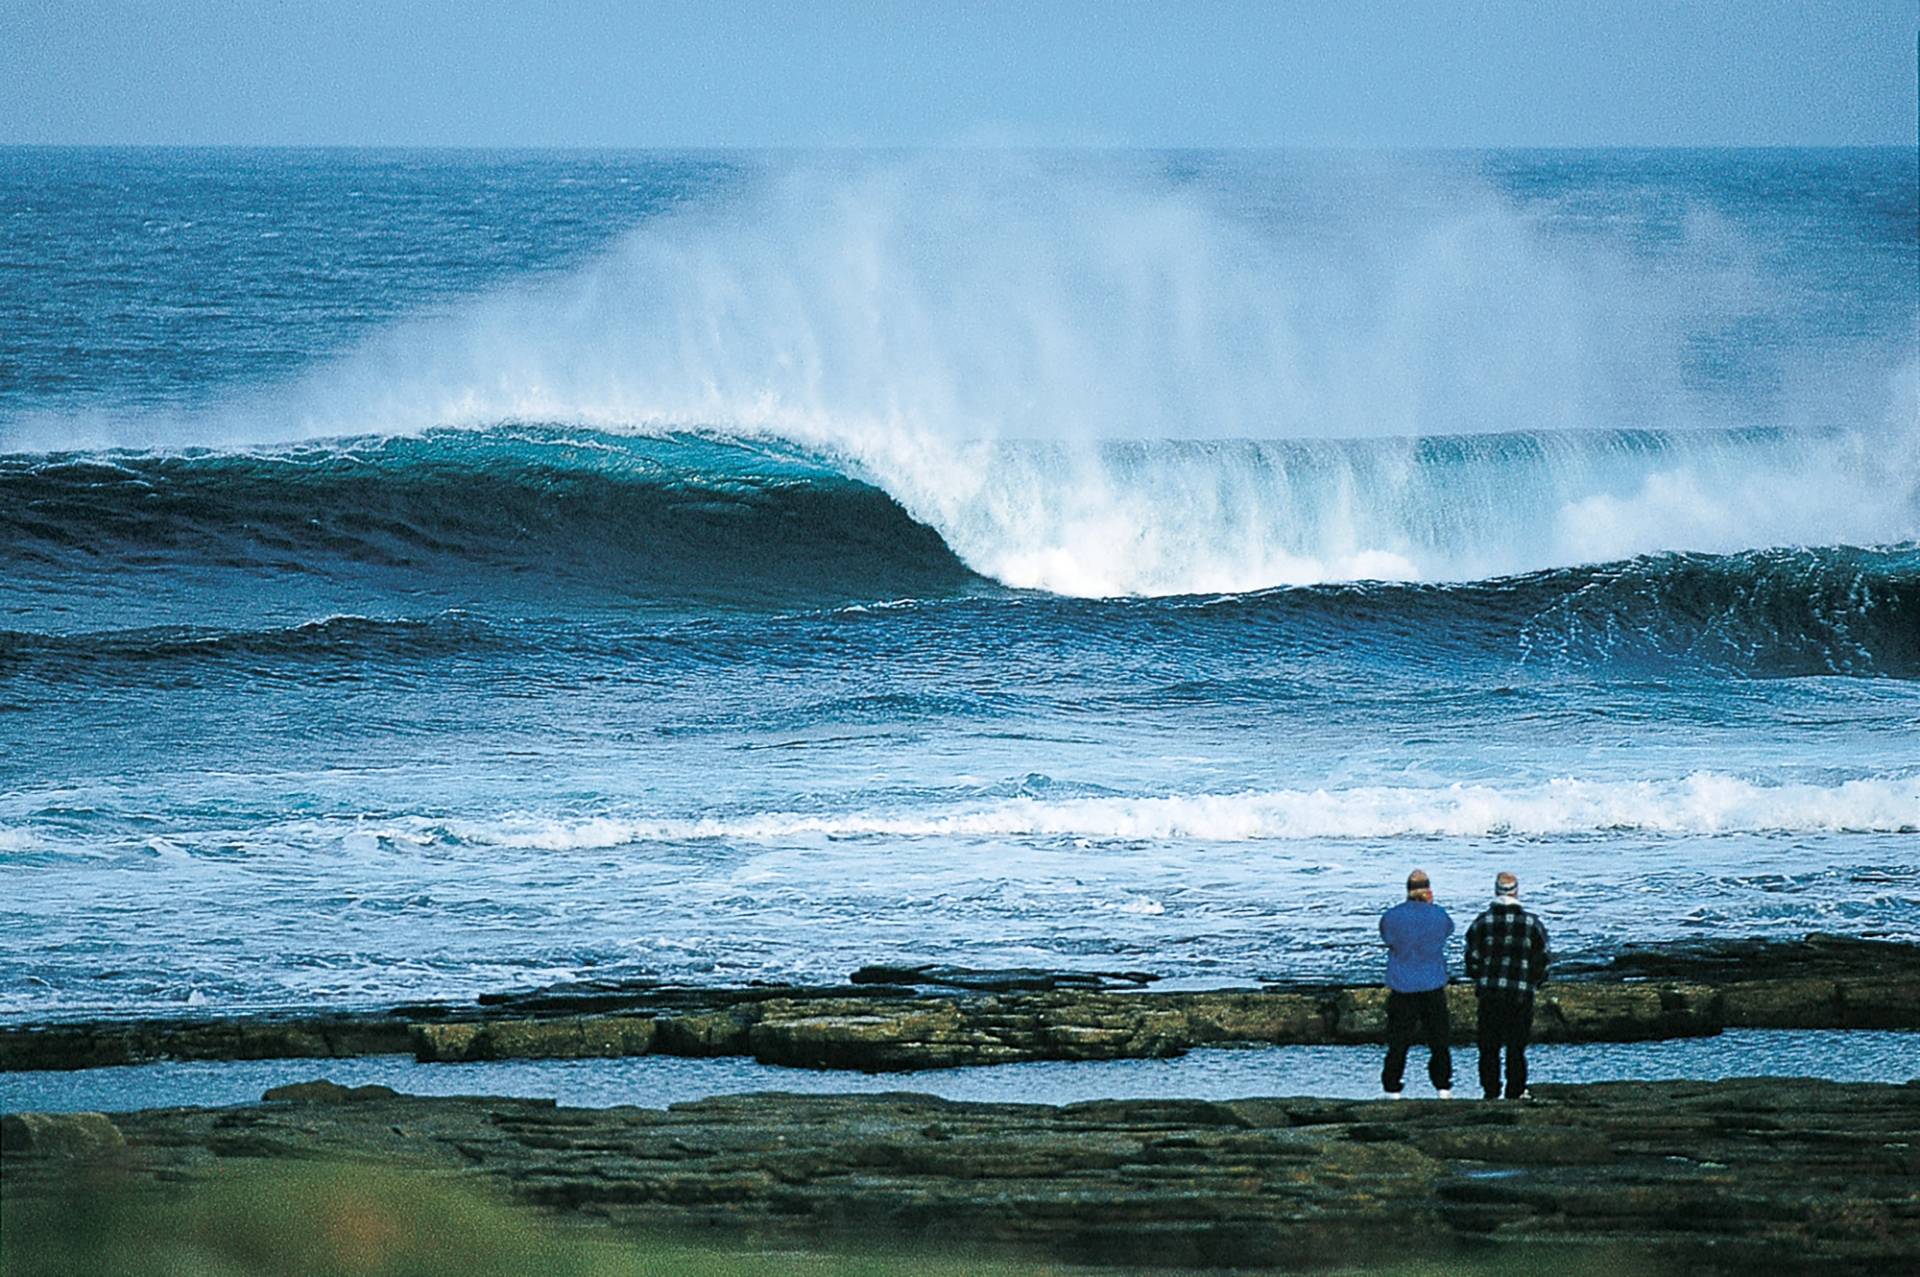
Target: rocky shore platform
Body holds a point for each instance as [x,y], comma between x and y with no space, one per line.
[904,1018]
[1756,1175]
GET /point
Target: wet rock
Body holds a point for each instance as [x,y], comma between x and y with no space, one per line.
[1583,1012]
[1002,980]
[1891,1002]
[1738,960]
[1621,1013]
[1819,982]
[1360,1015]
[1256,1017]
[1754,1175]
[94,1045]
[321,1091]
[570,1037]
[645,996]
[850,1035]
[445,1043]
[1780,1004]
[1534,1144]
[704,1034]
[74,1136]
[944,1033]
[578,998]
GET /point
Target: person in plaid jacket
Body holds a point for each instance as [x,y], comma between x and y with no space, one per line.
[1507,958]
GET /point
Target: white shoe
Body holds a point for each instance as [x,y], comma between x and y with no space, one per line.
[1395,1095]
[1443,1095]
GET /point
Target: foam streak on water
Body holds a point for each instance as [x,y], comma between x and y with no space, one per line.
[1701,804]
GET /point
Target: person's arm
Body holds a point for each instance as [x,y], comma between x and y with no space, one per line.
[1538,955]
[1474,956]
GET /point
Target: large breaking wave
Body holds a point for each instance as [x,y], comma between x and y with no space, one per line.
[1126,518]
[682,518]
[695,520]
[1092,379]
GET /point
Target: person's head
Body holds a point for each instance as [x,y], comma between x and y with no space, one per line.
[1506,886]
[1418,886]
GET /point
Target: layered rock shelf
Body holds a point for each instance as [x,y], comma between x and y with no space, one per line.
[1777,1176]
[904,1018]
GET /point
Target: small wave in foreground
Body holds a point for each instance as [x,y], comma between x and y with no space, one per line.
[1702,804]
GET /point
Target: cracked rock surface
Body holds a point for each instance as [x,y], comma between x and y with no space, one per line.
[959,1017]
[1756,1175]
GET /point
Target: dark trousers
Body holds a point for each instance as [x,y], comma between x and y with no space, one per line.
[1506,1022]
[1417,1017]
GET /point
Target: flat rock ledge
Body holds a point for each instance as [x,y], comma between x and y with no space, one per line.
[1755,1175]
[970,1019]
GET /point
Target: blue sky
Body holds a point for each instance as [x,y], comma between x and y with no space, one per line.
[591,73]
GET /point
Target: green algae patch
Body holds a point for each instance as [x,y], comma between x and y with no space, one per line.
[358,1221]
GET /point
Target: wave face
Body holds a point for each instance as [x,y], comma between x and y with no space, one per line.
[1759,615]
[681,518]
[684,521]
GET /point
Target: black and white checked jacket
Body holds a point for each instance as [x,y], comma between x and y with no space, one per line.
[1507,950]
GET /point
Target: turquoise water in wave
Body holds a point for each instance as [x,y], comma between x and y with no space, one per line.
[429,573]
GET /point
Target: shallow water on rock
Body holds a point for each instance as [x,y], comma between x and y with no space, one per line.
[653,1081]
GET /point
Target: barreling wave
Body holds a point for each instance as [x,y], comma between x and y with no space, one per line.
[678,517]
[696,520]
[1099,379]
[1705,803]
[1094,378]
[685,512]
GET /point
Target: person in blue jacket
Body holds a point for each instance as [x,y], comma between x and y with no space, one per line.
[1416,932]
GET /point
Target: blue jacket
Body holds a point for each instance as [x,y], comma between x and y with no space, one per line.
[1416,934]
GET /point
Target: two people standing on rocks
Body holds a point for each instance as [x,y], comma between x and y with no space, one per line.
[1507,957]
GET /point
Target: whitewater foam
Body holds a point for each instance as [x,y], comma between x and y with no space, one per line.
[1702,804]
[972,333]
[1236,516]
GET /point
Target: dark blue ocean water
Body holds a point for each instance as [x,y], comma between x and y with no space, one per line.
[425,573]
